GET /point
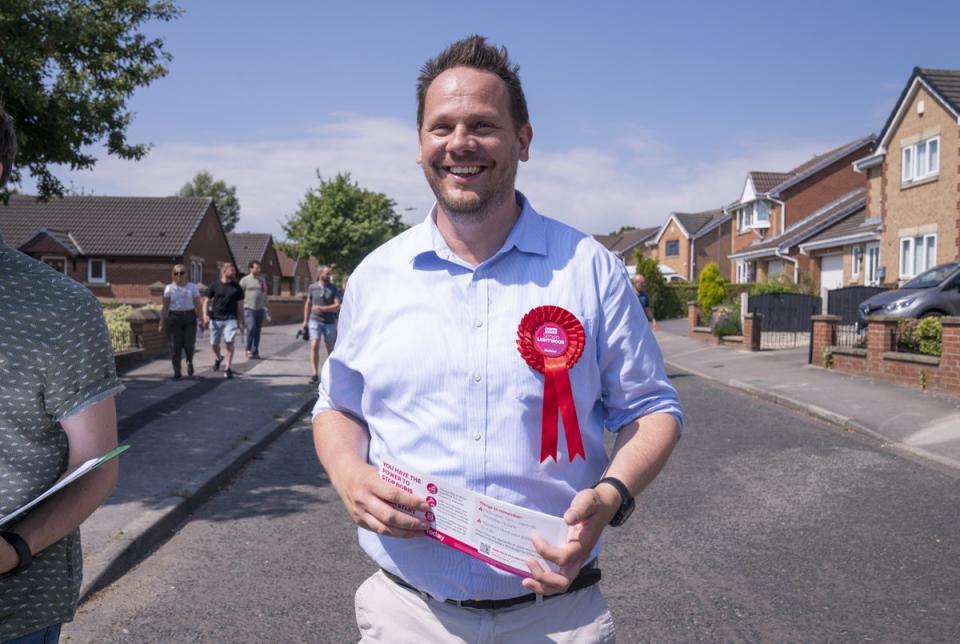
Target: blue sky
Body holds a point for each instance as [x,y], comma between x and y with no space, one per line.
[638,108]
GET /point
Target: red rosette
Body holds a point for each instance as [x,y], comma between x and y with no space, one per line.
[551,339]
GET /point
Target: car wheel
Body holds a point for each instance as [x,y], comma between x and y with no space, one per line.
[932,314]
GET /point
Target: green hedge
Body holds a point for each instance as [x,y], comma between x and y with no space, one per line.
[116,317]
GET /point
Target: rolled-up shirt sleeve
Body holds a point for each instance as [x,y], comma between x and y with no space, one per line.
[633,379]
[341,385]
[84,372]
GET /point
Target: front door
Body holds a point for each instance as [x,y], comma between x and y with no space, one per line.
[831,272]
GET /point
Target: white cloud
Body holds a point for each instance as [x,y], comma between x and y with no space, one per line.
[635,181]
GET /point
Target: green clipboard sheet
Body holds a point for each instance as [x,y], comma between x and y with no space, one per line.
[65,480]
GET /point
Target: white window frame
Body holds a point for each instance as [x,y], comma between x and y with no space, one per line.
[96,280]
[666,247]
[917,162]
[911,264]
[872,278]
[857,259]
[196,271]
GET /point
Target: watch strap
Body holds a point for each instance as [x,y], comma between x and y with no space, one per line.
[618,484]
[24,556]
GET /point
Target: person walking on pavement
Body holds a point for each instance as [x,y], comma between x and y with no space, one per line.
[223,312]
[179,317]
[254,306]
[639,285]
[320,313]
[454,338]
[58,380]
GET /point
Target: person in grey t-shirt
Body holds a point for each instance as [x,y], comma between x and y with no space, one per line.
[57,388]
[320,313]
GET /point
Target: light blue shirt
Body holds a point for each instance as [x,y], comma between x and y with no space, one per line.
[427,357]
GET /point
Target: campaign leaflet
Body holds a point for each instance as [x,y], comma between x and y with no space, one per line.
[492,531]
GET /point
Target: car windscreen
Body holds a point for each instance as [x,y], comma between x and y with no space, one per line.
[933,277]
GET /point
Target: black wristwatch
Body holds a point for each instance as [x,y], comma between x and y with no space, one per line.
[627,504]
[24,556]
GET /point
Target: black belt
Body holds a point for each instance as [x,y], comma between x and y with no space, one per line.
[588,576]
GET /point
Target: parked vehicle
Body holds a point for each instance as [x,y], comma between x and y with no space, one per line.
[936,292]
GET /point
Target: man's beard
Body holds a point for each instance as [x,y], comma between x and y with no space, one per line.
[473,209]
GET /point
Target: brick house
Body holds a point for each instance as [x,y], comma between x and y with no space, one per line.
[295,274]
[688,241]
[914,177]
[772,203]
[118,246]
[248,247]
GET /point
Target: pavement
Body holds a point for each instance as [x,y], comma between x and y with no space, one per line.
[190,437]
[187,438]
[922,423]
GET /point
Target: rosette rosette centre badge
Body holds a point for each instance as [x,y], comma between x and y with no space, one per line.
[550,339]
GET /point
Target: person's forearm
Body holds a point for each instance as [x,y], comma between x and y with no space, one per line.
[341,442]
[59,515]
[642,449]
[197,307]
[306,311]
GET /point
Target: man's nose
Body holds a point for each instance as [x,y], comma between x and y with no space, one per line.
[461,140]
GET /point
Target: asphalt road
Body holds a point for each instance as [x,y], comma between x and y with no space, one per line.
[766,526]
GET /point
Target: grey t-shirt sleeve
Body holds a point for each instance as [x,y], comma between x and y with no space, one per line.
[82,371]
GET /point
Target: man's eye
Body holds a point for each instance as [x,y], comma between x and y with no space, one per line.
[441,130]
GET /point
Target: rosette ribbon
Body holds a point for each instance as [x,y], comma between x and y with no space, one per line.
[550,339]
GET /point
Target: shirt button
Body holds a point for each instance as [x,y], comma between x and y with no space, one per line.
[476,436]
[478,323]
[476,377]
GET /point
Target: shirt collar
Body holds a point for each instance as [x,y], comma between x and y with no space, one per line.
[528,235]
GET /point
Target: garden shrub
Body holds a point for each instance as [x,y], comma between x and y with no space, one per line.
[663,300]
[779,284]
[907,340]
[116,317]
[711,291]
[929,332]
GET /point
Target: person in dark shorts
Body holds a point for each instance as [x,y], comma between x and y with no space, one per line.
[320,312]
[181,311]
[223,311]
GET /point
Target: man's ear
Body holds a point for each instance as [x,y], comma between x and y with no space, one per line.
[525,134]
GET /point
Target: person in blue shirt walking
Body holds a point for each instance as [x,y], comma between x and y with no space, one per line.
[437,366]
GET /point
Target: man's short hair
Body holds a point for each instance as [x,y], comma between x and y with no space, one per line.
[8,146]
[474,52]
[252,263]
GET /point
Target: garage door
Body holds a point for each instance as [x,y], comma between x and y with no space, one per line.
[831,272]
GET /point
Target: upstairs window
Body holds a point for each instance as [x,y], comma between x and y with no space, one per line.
[673,248]
[920,160]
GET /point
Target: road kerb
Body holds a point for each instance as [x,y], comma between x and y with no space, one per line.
[139,536]
[843,422]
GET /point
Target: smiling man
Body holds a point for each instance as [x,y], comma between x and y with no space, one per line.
[460,343]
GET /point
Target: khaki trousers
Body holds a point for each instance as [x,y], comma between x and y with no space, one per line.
[391,614]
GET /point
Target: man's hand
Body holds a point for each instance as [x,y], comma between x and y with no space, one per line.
[588,514]
[317,309]
[160,327]
[367,498]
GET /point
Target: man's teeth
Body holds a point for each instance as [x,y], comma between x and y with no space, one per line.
[465,169]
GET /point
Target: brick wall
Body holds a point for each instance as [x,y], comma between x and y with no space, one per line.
[209,245]
[825,186]
[680,263]
[879,360]
[286,309]
[713,247]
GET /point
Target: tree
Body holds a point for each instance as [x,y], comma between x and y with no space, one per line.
[622,230]
[664,300]
[340,223]
[224,197]
[711,291]
[67,70]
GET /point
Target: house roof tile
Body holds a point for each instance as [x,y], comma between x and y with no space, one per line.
[129,226]
[248,247]
[694,222]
